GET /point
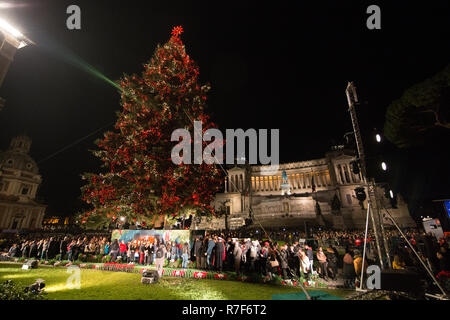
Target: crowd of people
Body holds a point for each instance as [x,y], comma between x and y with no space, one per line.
[328,253]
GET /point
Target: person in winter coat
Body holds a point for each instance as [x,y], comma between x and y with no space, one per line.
[332,263]
[185,255]
[13,251]
[358,261]
[160,257]
[237,257]
[284,261]
[220,254]
[33,250]
[114,250]
[310,255]
[323,263]
[63,244]
[197,247]
[348,271]
[209,250]
[252,255]
[263,258]
[123,250]
[203,254]
[305,264]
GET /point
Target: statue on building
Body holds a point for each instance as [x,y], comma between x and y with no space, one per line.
[285,186]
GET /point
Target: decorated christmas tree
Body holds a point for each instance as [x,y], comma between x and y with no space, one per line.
[139,181]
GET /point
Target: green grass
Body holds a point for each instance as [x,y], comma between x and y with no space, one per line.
[107,285]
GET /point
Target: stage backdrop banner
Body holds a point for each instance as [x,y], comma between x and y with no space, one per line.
[179,236]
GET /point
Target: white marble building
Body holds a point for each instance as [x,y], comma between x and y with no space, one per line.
[333,176]
[19,182]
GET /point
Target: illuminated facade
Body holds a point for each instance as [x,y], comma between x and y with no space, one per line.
[332,204]
[19,182]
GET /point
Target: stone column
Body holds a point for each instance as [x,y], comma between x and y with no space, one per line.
[338,174]
[39,220]
[349,173]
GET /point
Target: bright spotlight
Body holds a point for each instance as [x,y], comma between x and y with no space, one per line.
[384,166]
[16,37]
[378,137]
[122,219]
[391,194]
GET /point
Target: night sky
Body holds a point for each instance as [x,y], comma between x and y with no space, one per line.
[284,64]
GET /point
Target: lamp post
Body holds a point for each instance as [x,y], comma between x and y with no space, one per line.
[352,100]
[11,40]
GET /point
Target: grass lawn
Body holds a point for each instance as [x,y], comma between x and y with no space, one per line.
[106,285]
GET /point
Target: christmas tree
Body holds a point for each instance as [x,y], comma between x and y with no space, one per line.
[140,182]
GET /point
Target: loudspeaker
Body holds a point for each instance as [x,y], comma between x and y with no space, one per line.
[150,276]
[401,280]
[31,264]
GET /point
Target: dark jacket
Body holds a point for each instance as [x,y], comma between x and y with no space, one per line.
[283,259]
[197,248]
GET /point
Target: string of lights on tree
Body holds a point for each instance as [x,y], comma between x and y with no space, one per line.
[140,182]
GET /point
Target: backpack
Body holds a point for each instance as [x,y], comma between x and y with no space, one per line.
[159,253]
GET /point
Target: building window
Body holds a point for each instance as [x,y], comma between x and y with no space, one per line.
[25,191]
[349,198]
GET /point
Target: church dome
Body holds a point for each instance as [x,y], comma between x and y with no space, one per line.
[16,157]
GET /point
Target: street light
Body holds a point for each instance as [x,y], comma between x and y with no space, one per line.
[391,194]
[378,137]
[383,166]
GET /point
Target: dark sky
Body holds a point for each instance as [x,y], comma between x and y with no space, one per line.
[284,64]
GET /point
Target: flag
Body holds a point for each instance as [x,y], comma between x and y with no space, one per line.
[313,186]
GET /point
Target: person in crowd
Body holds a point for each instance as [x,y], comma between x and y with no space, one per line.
[33,250]
[263,257]
[237,257]
[203,253]
[63,244]
[358,262]
[185,255]
[284,261]
[348,270]
[332,263]
[106,248]
[252,256]
[123,250]
[70,250]
[443,263]
[323,263]
[209,251]
[310,255]
[220,254]
[196,253]
[13,251]
[160,254]
[305,264]
[115,247]
[398,263]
